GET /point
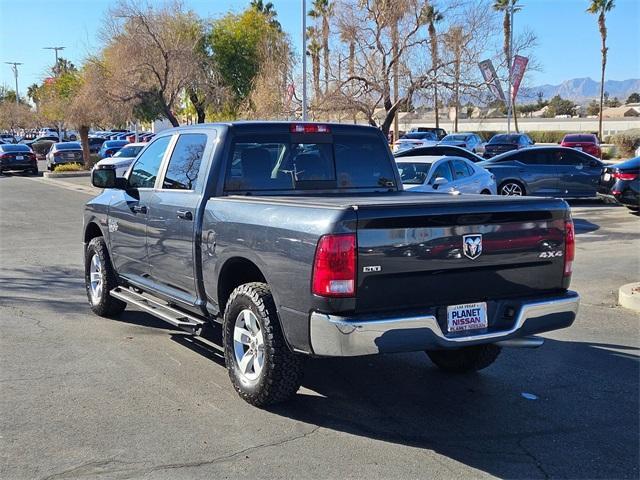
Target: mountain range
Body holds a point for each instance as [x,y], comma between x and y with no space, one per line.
[581,90]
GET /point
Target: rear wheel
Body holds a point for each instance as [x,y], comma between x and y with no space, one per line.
[100,279]
[466,359]
[511,189]
[262,368]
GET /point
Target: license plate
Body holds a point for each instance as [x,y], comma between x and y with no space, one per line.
[19,157]
[607,177]
[468,316]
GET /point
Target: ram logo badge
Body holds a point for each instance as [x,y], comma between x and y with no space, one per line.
[472,245]
[372,268]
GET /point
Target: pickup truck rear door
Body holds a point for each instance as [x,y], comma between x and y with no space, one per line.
[172,225]
[128,212]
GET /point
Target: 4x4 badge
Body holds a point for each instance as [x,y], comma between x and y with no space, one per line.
[472,245]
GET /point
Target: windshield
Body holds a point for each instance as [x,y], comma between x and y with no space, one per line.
[505,139]
[128,152]
[414,173]
[274,162]
[419,136]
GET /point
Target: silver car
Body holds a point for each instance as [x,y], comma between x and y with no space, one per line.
[445,175]
[123,158]
[468,141]
[63,152]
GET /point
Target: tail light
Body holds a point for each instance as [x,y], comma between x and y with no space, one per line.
[569,247]
[334,268]
[625,176]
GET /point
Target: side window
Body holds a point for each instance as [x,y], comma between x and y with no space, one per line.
[145,170]
[444,171]
[531,157]
[460,169]
[184,163]
[566,158]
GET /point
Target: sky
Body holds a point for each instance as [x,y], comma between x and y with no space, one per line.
[568,38]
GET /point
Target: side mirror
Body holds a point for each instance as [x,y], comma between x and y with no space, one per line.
[104,177]
[439,181]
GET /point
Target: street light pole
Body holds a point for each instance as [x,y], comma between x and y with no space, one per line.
[55,49]
[14,67]
[510,108]
[304,60]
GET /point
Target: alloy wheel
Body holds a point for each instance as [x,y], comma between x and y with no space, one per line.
[511,190]
[248,345]
[95,275]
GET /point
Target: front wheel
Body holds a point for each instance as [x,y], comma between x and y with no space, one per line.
[511,189]
[262,368]
[100,279]
[465,359]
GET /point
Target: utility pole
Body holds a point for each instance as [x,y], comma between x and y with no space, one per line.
[510,108]
[55,49]
[14,67]
[304,60]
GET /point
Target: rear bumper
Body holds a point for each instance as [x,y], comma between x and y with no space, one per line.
[337,336]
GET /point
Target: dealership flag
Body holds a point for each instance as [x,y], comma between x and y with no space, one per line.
[517,72]
[490,76]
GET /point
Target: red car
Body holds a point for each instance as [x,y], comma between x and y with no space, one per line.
[587,142]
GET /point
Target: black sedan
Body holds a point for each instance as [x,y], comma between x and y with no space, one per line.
[439,151]
[620,183]
[17,157]
[505,143]
[546,172]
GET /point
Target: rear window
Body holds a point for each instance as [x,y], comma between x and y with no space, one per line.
[414,173]
[68,146]
[419,136]
[14,148]
[455,138]
[505,139]
[278,163]
[580,138]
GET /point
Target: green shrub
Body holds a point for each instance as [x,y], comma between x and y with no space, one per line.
[547,136]
[69,167]
[627,141]
[486,134]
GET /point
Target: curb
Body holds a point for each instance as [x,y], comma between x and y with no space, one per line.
[65,174]
[629,296]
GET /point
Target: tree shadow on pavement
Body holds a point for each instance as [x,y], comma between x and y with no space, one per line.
[583,422]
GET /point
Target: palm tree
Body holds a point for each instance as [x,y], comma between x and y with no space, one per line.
[313,50]
[600,8]
[33,93]
[268,10]
[323,10]
[505,6]
[433,16]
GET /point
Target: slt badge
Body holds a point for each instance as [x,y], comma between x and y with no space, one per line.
[472,245]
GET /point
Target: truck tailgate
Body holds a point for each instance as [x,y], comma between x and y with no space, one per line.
[413,255]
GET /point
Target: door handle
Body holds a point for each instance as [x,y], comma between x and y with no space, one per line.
[185,214]
[139,209]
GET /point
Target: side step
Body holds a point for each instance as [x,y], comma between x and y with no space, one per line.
[157,308]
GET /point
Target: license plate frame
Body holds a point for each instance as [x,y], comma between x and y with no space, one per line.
[467,317]
[19,157]
[606,177]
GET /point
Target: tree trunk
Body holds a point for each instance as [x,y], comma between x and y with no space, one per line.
[84,141]
[603,34]
[434,65]
[315,62]
[198,104]
[325,51]
[171,117]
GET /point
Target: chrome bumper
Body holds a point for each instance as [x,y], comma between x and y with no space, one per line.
[336,336]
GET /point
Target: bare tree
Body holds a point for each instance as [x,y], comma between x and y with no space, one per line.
[155,50]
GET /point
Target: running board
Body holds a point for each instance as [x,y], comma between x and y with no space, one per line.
[157,308]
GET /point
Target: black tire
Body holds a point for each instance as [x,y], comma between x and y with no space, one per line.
[466,359]
[633,208]
[485,192]
[282,369]
[511,183]
[103,304]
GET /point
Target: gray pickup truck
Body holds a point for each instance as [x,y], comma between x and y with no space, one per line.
[298,239]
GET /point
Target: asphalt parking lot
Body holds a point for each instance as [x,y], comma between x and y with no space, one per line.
[86,397]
